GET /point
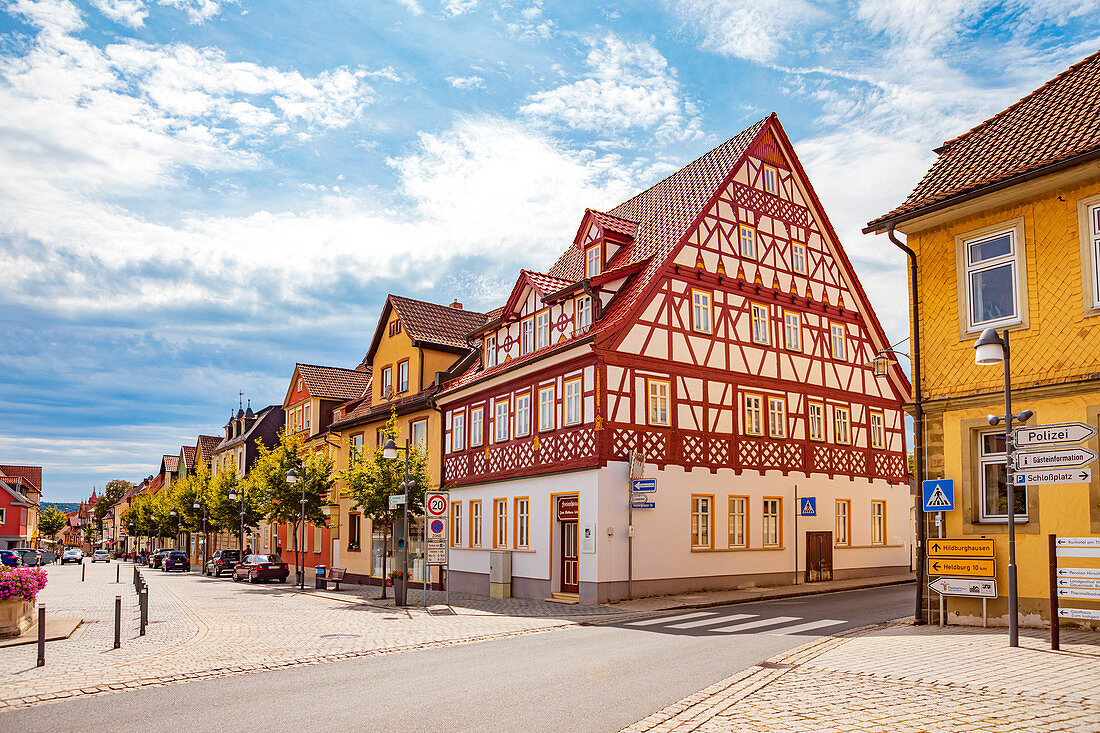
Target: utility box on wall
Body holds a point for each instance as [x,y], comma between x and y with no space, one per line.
[500,574]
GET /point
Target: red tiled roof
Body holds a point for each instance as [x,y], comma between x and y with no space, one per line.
[188,452]
[546,284]
[171,463]
[436,324]
[334,382]
[1058,121]
[208,443]
[31,474]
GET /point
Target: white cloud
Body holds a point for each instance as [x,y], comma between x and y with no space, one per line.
[628,85]
[458,7]
[198,11]
[412,6]
[530,25]
[756,30]
[466,82]
[128,12]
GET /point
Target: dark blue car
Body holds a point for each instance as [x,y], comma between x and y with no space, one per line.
[11,559]
[175,560]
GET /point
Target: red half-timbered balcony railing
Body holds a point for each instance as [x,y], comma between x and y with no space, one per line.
[559,450]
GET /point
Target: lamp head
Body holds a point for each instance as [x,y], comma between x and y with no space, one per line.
[292,476]
[992,419]
[172,512]
[390,449]
[1025,416]
[232,494]
[989,348]
[196,506]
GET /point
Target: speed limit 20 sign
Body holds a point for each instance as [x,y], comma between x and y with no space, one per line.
[436,506]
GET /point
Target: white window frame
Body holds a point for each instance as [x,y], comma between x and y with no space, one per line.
[582,319]
[878,522]
[387,381]
[746,241]
[402,375]
[658,402]
[547,407]
[842,528]
[572,402]
[592,264]
[420,426]
[798,258]
[771,523]
[500,523]
[700,311]
[527,335]
[996,459]
[754,414]
[760,323]
[877,422]
[815,421]
[458,431]
[477,427]
[838,341]
[966,268]
[522,415]
[523,522]
[738,529]
[773,188]
[842,425]
[702,509]
[490,351]
[792,330]
[777,417]
[475,523]
[500,419]
[456,523]
[542,329]
[1088,227]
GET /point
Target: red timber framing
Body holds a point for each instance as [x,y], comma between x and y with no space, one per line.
[648,336]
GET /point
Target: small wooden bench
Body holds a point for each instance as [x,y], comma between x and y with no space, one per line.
[335,575]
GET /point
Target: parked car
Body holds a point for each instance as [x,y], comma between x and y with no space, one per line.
[48,557]
[101,556]
[73,554]
[11,558]
[30,555]
[261,567]
[222,561]
[156,557]
[175,560]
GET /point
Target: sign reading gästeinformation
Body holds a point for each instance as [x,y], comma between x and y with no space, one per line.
[1063,458]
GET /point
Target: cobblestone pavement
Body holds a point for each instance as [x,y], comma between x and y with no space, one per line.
[904,679]
[202,627]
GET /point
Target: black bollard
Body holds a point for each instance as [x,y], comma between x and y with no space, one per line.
[81,571]
[118,572]
[118,621]
[144,610]
[41,634]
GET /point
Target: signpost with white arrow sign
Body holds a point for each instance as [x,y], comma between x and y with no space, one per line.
[1072,582]
[966,587]
[1062,458]
[1056,476]
[1065,432]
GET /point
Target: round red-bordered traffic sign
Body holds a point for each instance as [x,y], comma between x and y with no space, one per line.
[437,526]
[436,505]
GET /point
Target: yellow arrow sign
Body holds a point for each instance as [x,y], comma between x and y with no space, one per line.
[960,548]
[965,568]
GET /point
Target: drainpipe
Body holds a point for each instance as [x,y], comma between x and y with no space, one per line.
[586,286]
[918,423]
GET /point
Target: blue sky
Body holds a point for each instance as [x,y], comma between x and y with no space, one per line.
[196,194]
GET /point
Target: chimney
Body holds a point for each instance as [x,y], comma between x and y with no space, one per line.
[456,305]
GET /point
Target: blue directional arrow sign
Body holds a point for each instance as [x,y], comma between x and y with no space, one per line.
[938,495]
[643,485]
[807,506]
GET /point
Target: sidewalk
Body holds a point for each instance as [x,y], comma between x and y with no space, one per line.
[468,603]
[900,678]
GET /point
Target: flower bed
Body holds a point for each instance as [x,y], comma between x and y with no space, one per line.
[21,583]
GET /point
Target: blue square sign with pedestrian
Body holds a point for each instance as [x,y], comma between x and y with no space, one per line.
[807,506]
[938,495]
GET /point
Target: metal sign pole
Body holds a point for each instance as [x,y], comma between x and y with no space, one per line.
[943,620]
[797,511]
[1013,628]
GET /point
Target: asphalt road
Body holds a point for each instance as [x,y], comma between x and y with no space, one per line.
[587,678]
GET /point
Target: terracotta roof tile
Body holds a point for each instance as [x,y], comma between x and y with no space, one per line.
[612,223]
[171,463]
[1058,121]
[33,474]
[546,284]
[208,443]
[188,452]
[436,324]
[334,382]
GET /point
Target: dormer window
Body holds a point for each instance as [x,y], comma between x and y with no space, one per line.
[490,351]
[527,335]
[592,261]
[584,314]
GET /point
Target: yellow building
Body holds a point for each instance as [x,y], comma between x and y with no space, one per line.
[1006,230]
[414,342]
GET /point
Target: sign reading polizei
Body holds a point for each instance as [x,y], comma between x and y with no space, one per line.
[1064,458]
[1065,432]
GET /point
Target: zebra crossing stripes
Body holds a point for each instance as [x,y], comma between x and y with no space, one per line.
[710,621]
[666,619]
[755,624]
[808,626]
[722,622]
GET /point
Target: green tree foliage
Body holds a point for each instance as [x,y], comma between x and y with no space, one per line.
[50,522]
[280,501]
[372,480]
[112,493]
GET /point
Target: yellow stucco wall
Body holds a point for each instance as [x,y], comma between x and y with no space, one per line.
[1055,355]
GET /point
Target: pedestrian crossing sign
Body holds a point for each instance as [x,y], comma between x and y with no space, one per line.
[939,495]
[807,506]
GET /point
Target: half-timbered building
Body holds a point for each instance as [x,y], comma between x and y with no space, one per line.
[713,328]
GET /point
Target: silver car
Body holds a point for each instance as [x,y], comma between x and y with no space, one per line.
[101,556]
[73,554]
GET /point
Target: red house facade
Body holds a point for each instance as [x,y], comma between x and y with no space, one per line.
[712,329]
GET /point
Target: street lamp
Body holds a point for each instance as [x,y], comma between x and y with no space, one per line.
[131,526]
[292,478]
[401,587]
[991,348]
[240,537]
[196,507]
[172,513]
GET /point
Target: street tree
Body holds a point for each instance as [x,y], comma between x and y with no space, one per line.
[112,493]
[372,479]
[50,522]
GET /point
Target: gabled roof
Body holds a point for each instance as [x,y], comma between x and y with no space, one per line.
[15,497]
[429,324]
[608,223]
[31,475]
[333,383]
[207,444]
[1057,123]
[261,418]
[171,464]
[187,453]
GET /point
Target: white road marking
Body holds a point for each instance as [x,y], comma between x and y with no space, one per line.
[712,621]
[666,619]
[805,627]
[755,624]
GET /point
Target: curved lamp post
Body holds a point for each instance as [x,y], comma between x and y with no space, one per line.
[991,348]
[196,507]
[401,587]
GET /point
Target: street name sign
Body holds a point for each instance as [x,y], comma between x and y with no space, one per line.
[1077,547]
[1079,573]
[641,503]
[1079,583]
[1055,476]
[1086,614]
[1063,432]
[1079,593]
[938,495]
[966,587]
[807,506]
[960,548]
[643,485]
[967,568]
[396,500]
[1063,458]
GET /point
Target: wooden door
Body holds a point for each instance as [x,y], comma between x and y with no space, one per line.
[570,561]
[819,556]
